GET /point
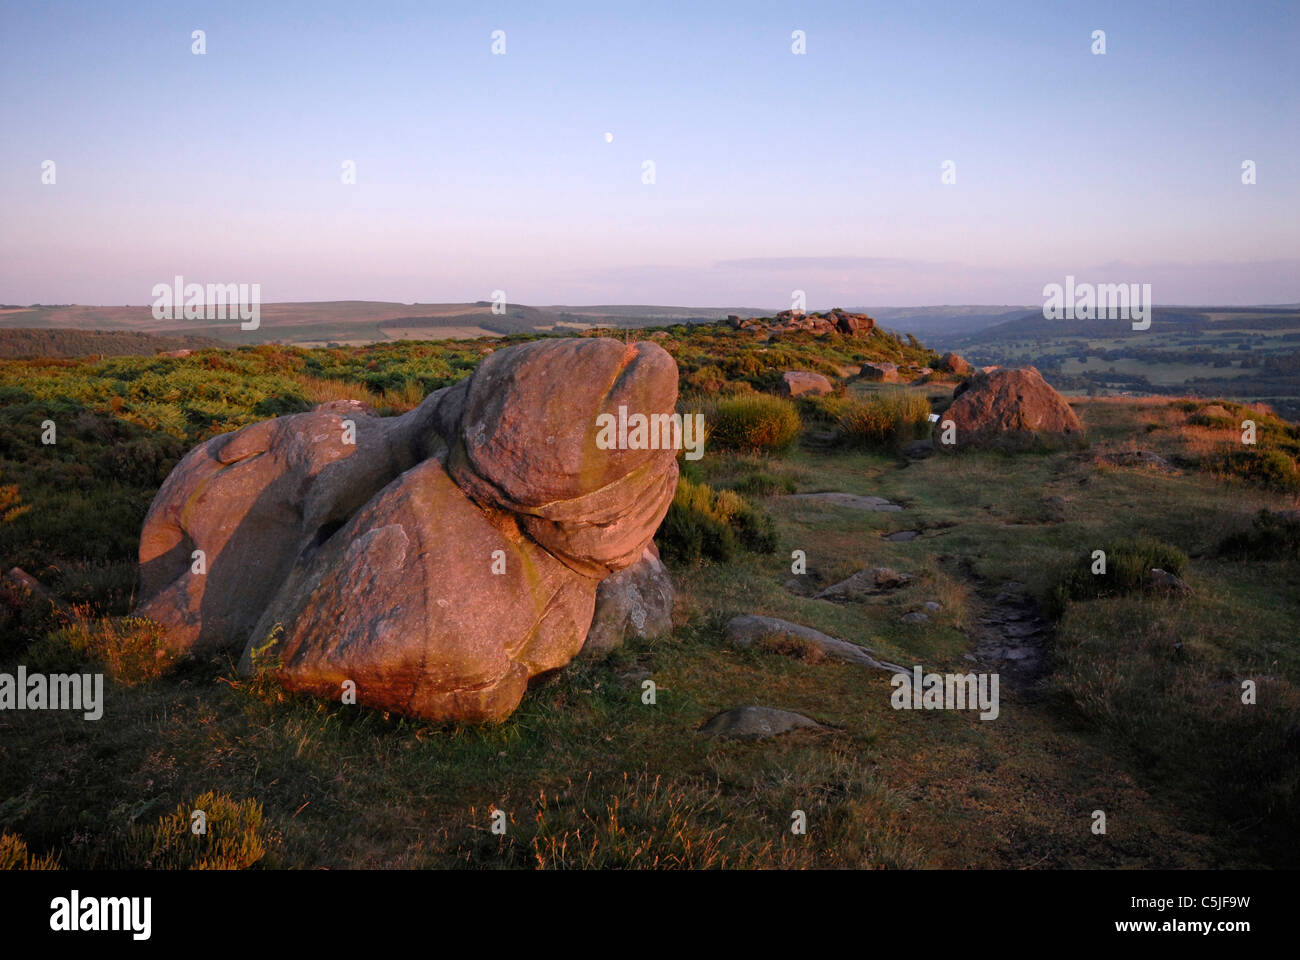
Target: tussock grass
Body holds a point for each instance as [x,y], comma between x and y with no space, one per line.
[758,423]
[884,420]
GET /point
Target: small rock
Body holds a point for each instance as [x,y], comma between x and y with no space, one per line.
[934,606]
[869,582]
[916,617]
[756,723]
[902,536]
[744,631]
[1161,581]
[879,504]
[919,449]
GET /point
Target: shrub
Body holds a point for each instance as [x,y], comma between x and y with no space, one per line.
[1272,536]
[132,649]
[1272,469]
[235,837]
[712,524]
[755,423]
[1127,565]
[884,420]
[14,855]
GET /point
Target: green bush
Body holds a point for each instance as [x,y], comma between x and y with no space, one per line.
[1271,469]
[1127,565]
[755,423]
[712,524]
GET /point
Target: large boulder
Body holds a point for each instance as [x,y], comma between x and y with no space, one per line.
[635,602]
[232,517]
[342,546]
[799,383]
[1010,406]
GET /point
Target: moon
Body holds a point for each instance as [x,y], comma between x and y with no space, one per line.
[609,137]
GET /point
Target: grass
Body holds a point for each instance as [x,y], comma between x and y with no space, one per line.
[757,423]
[1141,713]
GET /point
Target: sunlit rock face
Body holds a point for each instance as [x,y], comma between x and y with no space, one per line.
[433,582]
[1007,407]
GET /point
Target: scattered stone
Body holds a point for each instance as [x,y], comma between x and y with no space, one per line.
[1012,631]
[870,582]
[934,606]
[852,500]
[902,536]
[800,383]
[787,321]
[916,617]
[744,631]
[756,723]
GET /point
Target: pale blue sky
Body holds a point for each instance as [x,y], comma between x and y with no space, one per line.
[773,171]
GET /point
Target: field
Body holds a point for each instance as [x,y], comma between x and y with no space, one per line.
[1246,353]
[1131,706]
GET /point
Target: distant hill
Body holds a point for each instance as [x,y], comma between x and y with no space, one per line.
[29,342]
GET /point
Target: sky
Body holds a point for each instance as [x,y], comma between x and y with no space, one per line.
[772,171]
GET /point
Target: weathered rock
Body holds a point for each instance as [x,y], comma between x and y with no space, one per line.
[1161,581]
[254,500]
[790,322]
[366,562]
[882,372]
[756,723]
[634,602]
[870,582]
[954,363]
[744,631]
[1007,406]
[798,383]
[403,601]
[527,443]
[916,616]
